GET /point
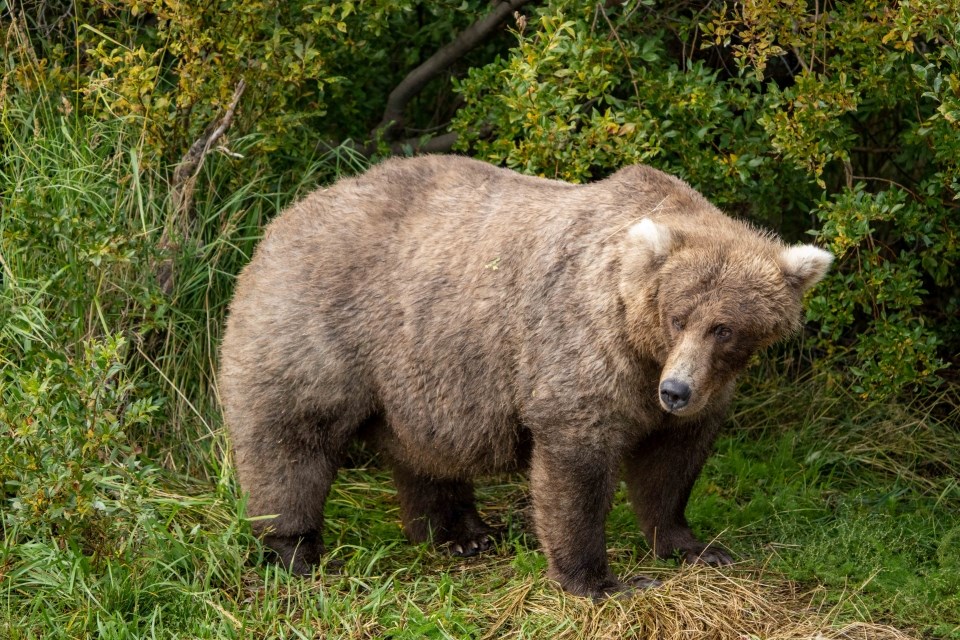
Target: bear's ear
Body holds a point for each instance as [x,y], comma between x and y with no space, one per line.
[805,265]
[653,241]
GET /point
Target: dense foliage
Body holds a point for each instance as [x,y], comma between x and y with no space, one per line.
[318,72]
[832,119]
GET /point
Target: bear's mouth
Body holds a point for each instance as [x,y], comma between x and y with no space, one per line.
[681,412]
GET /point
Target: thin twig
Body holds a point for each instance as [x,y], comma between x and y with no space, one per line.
[623,50]
[887,180]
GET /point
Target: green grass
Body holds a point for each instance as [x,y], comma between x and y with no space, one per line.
[825,502]
[845,517]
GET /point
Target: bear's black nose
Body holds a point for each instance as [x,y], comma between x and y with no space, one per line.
[674,394]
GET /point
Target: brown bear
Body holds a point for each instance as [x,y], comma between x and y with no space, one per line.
[467,320]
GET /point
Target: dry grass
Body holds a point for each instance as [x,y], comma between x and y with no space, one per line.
[693,602]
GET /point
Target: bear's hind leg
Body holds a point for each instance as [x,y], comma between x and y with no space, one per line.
[287,469]
[442,511]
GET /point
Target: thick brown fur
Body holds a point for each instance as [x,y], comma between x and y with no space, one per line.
[468,320]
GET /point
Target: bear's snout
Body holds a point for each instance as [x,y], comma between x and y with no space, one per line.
[674,394]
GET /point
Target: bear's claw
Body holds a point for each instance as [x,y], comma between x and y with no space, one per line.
[466,548]
[643,582]
[712,556]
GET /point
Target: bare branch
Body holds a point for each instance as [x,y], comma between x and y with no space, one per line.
[177,229]
[185,175]
[414,82]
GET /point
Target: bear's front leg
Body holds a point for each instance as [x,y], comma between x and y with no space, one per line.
[660,473]
[572,489]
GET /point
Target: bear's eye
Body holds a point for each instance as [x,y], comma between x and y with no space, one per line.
[677,323]
[722,333]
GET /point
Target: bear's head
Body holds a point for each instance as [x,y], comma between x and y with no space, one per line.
[704,300]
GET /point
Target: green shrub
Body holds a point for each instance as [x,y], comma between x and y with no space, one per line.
[67,469]
[316,72]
